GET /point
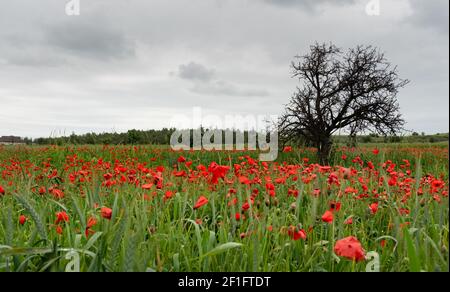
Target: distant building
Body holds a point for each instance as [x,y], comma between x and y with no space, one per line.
[11,140]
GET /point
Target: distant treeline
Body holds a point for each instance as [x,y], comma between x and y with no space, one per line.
[132,137]
[410,138]
[162,137]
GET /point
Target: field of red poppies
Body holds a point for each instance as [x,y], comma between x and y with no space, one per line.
[124,208]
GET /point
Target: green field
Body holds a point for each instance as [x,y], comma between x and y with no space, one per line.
[143,208]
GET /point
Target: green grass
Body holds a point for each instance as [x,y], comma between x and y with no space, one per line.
[159,234]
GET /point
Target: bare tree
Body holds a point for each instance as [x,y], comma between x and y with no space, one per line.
[355,91]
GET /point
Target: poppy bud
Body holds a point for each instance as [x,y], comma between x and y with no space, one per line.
[275,202]
[106,213]
[200,202]
[151,229]
[422,202]
[22,219]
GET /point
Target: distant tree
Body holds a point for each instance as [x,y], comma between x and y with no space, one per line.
[89,138]
[73,139]
[356,91]
[395,139]
[134,137]
[367,139]
[415,134]
[27,141]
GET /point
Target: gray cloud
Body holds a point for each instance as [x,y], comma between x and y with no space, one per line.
[309,4]
[431,14]
[90,39]
[33,60]
[222,88]
[194,71]
[207,83]
[107,68]
[27,49]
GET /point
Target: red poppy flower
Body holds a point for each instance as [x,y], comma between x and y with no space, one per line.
[335,206]
[217,171]
[201,167]
[333,179]
[106,213]
[147,186]
[327,216]
[107,176]
[350,248]
[237,216]
[246,205]
[91,222]
[392,181]
[404,211]
[42,190]
[376,151]
[296,234]
[244,180]
[201,202]
[437,198]
[57,194]
[180,173]
[158,180]
[437,184]
[270,187]
[293,192]
[349,221]
[168,195]
[59,229]
[316,192]
[61,217]
[280,180]
[22,219]
[2,190]
[373,208]
[287,149]
[181,159]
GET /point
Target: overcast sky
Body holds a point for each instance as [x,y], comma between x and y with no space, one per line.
[125,64]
